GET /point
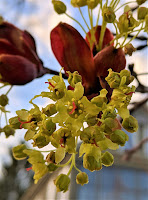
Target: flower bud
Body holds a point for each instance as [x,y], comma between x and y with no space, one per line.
[130,124]
[119,137]
[40,141]
[59,7]
[142,12]
[49,110]
[107,159]
[48,127]
[92,3]
[90,163]
[52,167]
[3,100]
[110,125]
[99,101]
[127,10]
[113,79]
[78,3]
[129,49]
[91,120]
[58,93]
[50,158]
[14,122]
[18,153]
[140,1]
[62,182]
[74,78]
[126,23]
[82,178]
[108,14]
[8,130]
[128,76]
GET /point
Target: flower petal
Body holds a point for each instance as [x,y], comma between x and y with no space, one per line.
[109,58]
[7,48]
[72,52]
[108,36]
[22,41]
[17,70]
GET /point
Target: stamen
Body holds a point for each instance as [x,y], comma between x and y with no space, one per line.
[50,84]
[73,109]
[28,169]
[22,123]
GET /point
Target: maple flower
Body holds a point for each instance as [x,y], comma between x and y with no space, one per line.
[74,54]
[19,62]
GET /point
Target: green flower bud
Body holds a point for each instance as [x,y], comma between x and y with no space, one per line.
[113,79]
[62,182]
[49,110]
[142,12]
[92,3]
[8,130]
[127,9]
[78,3]
[40,141]
[127,74]
[126,23]
[99,101]
[52,167]
[18,153]
[92,134]
[82,178]
[74,78]
[109,113]
[110,125]
[130,124]
[107,159]
[50,158]
[58,93]
[59,7]
[119,137]
[48,127]
[35,118]
[90,163]
[14,122]
[108,14]
[140,1]
[91,120]
[3,100]
[129,49]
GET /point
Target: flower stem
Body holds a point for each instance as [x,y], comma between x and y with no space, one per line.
[9,90]
[124,5]
[134,35]
[84,18]
[103,27]
[70,159]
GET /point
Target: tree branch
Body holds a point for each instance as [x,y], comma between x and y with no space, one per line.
[129,153]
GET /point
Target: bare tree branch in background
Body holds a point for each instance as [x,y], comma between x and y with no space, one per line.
[129,153]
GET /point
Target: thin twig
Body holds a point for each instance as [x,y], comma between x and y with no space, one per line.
[129,153]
